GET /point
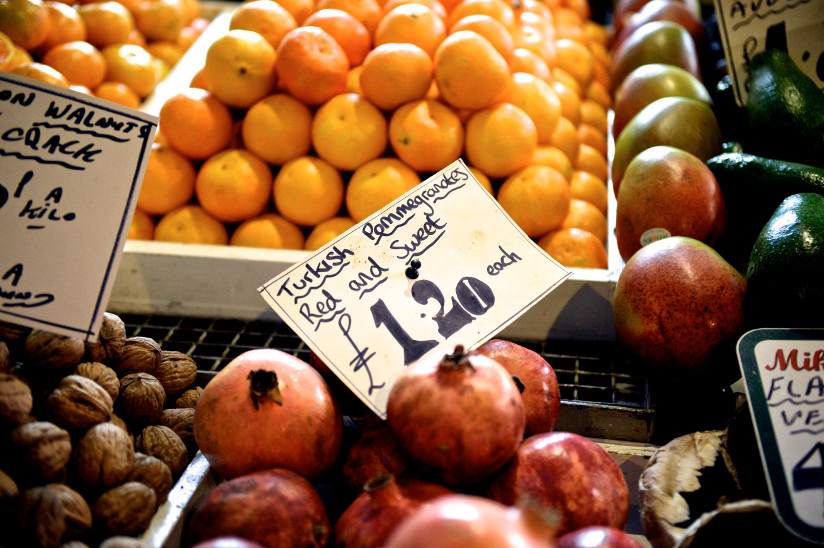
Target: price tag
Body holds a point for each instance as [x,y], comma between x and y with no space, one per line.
[440,266]
[783,372]
[72,166]
[794,26]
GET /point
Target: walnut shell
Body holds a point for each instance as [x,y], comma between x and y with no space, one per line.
[102,374]
[116,420]
[104,455]
[181,420]
[51,351]
[40,518]
[139,355]
[123,541]
[76,510]
[153,472]
[5,357]
[126,509]
[110,340]
[78,403]
[141,398]
[176,371]
[42,449]
[12,333]
[189,398]
[162,442]
[16,400]
[8,487]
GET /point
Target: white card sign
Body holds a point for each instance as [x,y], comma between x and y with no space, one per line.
[750,27]
[71,167]
[442,265]
[783,372]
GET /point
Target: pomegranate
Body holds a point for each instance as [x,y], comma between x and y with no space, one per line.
[275,508]
[349,403]
[598,536]
[384,502]
[568,473]
[374,452]
[268,409]
[471,521]
[227,542]
[459,417]
[540,392]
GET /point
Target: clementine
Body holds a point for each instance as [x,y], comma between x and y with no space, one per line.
[311,65]
[278,128]
[240,68]
[169,181]
[191,224]
[426,134]
[537,198]
[348,131]
[234,185]
[500,139]
[395,73]
[308,190]
[377,183]
[196,123]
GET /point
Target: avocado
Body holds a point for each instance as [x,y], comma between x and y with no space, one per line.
[785,110]
[786,267]
[753,187]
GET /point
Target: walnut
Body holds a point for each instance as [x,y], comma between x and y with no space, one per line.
[8,487]
[116,420]
[40,518]
[104,455]
[189,398]
[102,374]
[76,510]
[123,541]
[78,403]
[141,398]
[140,355]
[162,442]
[110,340]
[16,400]
[12,333]
[5,357]
[180,420]
[46,350]
[176,371]
[42,449]
[126,509]
[153,472]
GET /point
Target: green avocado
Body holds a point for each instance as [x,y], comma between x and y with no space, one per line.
[785,110]
[785,276]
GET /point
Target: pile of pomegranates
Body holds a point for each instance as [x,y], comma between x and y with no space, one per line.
[467,456]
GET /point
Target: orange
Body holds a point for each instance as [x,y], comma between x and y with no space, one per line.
[470,72]
[133,66]
[266,17]
[240,68]
[531,38]
[300,9]
[586,186]
[200,81]
[591,160]
[562,76]
[190,224]
[65,25]
[26,22]
[491,29]
[411,23]
[347,31]
[142,226]
[594,114]
[80,62]
[497,9]
[234,185]
[575,248]
[436,5]
[7,51]
[119,93]
[598,34]
[537,198]
[500,139]
[196,123]
[277,128]
[377,183]
[268,230]
[482,178]
[554,157]
[326,231]
[599,92]
[576,59]
[368,12]
[169,181]
[19,57]
[107,22]
[42,73]
[426,134]
[191,32]
[540,8]
[393,74]
[160,19]
[543,23]
[586,216]
[166,50]
[311,65]
[581,7]
[525,60]
[570,101]
[348,131]
[537,98]
[565,137]
[353,80]
[308,190]
[592,136]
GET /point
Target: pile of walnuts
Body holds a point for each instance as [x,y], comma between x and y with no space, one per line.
[94,434]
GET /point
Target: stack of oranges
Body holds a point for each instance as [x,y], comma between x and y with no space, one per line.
[115,50]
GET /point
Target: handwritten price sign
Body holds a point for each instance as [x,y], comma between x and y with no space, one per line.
[783,371]
[72,166]
[442,265]
[748,27]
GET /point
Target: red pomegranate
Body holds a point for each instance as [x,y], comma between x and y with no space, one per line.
[458,418]
[570,474]
[227,542]
[268,409]
[275,508]
[598,536]
[374,452]
[384,502]
[540,392]
[471,521]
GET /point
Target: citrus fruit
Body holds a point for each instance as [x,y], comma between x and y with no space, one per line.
[575,248]
[277,128]
[190,224]
[234,185]
[311,65]
[500,139]
[308,190]
[377,183]
[426,134]
[537,198]
[196,123]
[240,68]
[395,73]
[169,181]
[348,131]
